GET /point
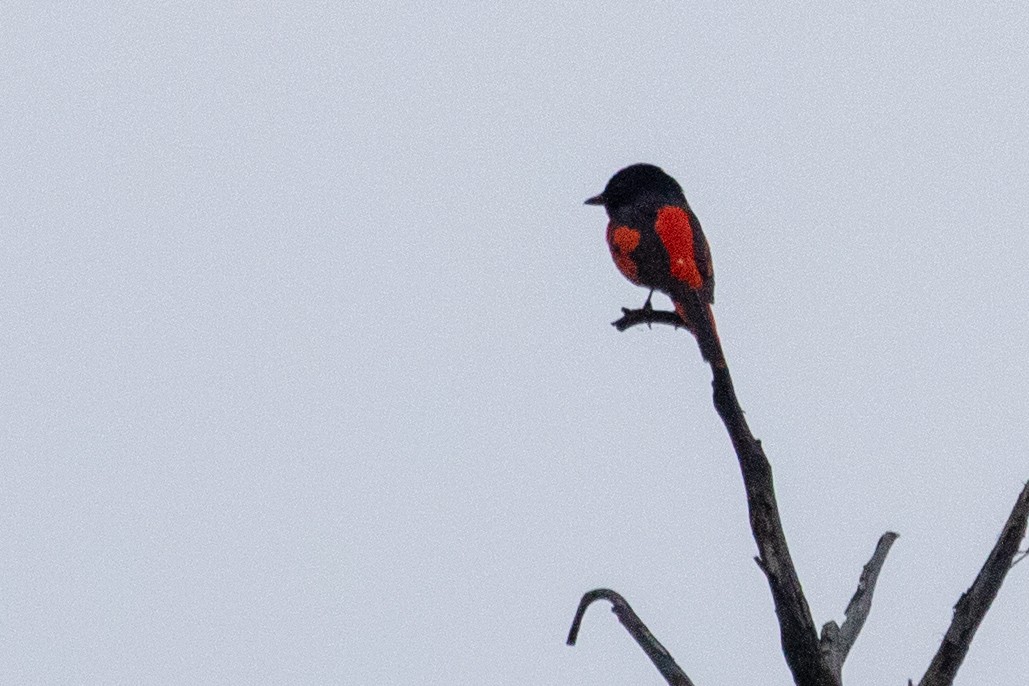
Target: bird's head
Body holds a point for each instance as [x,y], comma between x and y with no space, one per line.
[637,188]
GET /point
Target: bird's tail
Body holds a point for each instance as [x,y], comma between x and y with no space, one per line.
[700,321]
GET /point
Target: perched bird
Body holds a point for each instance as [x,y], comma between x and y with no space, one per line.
[656,242]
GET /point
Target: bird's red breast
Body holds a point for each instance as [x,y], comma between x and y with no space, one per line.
[623,241]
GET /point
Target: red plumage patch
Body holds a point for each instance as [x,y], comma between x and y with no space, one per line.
[674,229]
[622,241]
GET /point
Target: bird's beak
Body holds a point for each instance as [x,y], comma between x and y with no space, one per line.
[596,200]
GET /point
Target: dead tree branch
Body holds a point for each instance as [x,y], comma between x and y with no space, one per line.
[796,627]
[812,662]
[646,316]
[975,602]
[637,629]
[836,641]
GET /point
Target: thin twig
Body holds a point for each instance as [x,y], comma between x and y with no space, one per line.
[637,629]
[837,641]
[648,316]
[975,602]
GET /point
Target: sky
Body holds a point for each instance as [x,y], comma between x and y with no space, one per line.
[306,360]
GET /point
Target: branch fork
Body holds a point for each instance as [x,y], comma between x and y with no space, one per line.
[813,660]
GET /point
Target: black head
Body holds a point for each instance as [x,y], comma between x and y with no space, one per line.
[639,183]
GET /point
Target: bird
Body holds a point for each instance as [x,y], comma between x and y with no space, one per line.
[656,242]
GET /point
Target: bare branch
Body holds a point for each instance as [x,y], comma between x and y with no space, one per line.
[815,662]
[837,641]
[796,628]
[646,315]
[975,602]
[637,629]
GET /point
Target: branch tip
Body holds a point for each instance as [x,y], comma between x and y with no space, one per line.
[585,602]
[836,641]
[661,658]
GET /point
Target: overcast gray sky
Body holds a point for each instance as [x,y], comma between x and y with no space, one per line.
[307,372]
